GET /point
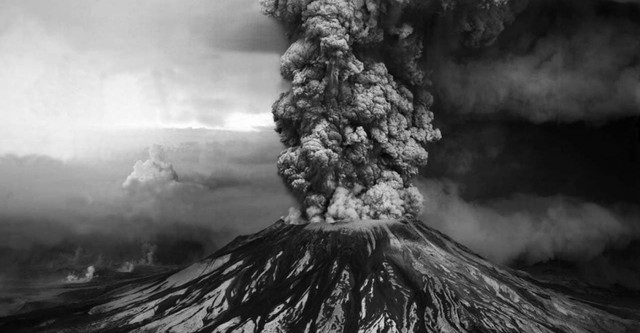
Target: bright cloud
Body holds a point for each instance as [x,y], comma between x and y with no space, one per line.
[71,71]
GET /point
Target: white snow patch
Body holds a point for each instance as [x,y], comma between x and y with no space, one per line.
[382,324]
[226,325]
[232,267]
[144,315]
[301,264]
[195,271]
[248,327]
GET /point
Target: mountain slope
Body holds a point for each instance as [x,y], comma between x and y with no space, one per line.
[362,276]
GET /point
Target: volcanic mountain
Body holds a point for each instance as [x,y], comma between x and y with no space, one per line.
[359,276]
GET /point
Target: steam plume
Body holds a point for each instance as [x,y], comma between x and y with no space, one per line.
[151,173]
[88,276]
[357,118]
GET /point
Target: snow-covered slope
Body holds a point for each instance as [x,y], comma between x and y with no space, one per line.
[362,276]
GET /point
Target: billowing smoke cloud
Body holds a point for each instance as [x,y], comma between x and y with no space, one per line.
[363,74]
[529,228]
[152,173]
[560,61]
[154,185]
[357,118]
[355,121]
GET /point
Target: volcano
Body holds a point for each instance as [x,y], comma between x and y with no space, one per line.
[359,276]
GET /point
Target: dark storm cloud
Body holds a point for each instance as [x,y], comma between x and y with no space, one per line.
[626,1]
[530,193]
[561,61]
[497,158]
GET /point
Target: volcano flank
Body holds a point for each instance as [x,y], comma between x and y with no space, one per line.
[360,276]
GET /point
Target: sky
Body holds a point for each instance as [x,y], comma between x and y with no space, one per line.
[72,71]
[90,88]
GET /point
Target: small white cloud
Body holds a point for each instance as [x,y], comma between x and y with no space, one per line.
[152,173]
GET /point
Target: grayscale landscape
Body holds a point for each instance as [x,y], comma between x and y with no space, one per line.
[320,166]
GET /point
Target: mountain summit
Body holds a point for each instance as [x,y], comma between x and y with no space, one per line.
[360,276]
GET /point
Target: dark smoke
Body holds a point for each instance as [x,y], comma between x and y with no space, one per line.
[560,60]
[538,103]
[523,193]
[498,158]
[355,122]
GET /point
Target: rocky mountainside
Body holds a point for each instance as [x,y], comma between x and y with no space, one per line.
[361,276]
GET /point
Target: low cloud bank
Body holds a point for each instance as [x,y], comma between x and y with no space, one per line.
[529,228]
[185,198]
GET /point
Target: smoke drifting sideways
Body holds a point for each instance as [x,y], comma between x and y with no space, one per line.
[553,237]
[356,120]
[528,229]
[552,61]
[550,195]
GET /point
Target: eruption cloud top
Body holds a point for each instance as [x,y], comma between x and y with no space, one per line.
[357,118]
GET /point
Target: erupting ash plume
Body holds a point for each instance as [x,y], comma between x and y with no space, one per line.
[528,228]
[356,119]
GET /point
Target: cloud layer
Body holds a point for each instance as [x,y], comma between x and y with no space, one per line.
[529,228]
[185,198]
[560,61]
